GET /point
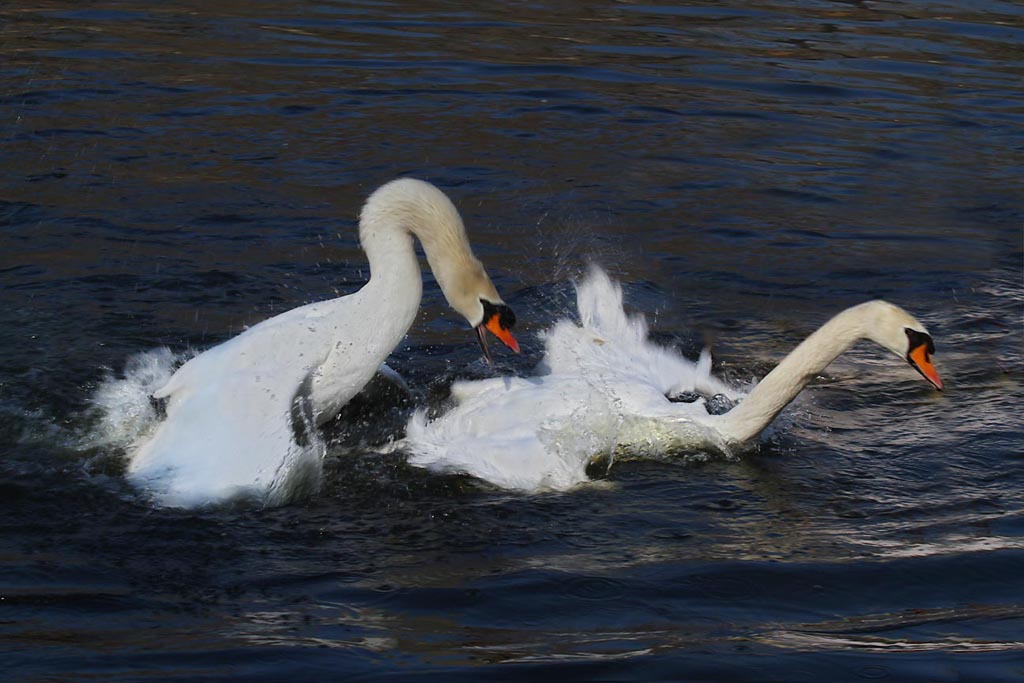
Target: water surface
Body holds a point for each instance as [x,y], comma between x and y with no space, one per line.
[174,173]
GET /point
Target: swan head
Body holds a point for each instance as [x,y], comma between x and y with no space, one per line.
[895,329]
[472,294]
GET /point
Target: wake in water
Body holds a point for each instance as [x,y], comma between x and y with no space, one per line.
[602,387]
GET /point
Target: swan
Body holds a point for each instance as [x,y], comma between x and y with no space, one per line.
[241,416]
[604,387]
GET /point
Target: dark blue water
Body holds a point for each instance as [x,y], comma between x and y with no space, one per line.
[172,172]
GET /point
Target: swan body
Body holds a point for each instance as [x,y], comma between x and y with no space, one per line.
[603,387]
[241,416]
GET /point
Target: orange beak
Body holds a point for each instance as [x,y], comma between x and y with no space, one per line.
[920,359]
[502,333]
[498,320]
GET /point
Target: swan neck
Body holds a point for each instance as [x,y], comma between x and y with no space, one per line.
[780,386]
[391,253]
[395,286]
[408,208]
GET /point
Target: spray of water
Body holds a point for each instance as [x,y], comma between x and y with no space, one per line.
[122,402]
[601,391]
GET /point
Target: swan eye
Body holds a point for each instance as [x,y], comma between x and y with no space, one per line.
[918,339]
[506,318]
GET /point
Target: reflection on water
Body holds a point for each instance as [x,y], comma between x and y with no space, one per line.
[174,173]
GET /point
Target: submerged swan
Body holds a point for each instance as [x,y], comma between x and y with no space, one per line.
[240,415]
[604,386]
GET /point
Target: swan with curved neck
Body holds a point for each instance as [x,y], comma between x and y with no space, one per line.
[884,323]
[240,415]
[603,387]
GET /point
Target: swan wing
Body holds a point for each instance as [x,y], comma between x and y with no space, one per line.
[233,436]
[236,416]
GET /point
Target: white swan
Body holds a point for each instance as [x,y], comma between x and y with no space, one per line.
[240,416]
[603,386]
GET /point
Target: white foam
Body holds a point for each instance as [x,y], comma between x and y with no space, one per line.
[123,404]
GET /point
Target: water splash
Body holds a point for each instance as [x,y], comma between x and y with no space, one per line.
[122,403]
[601,390]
